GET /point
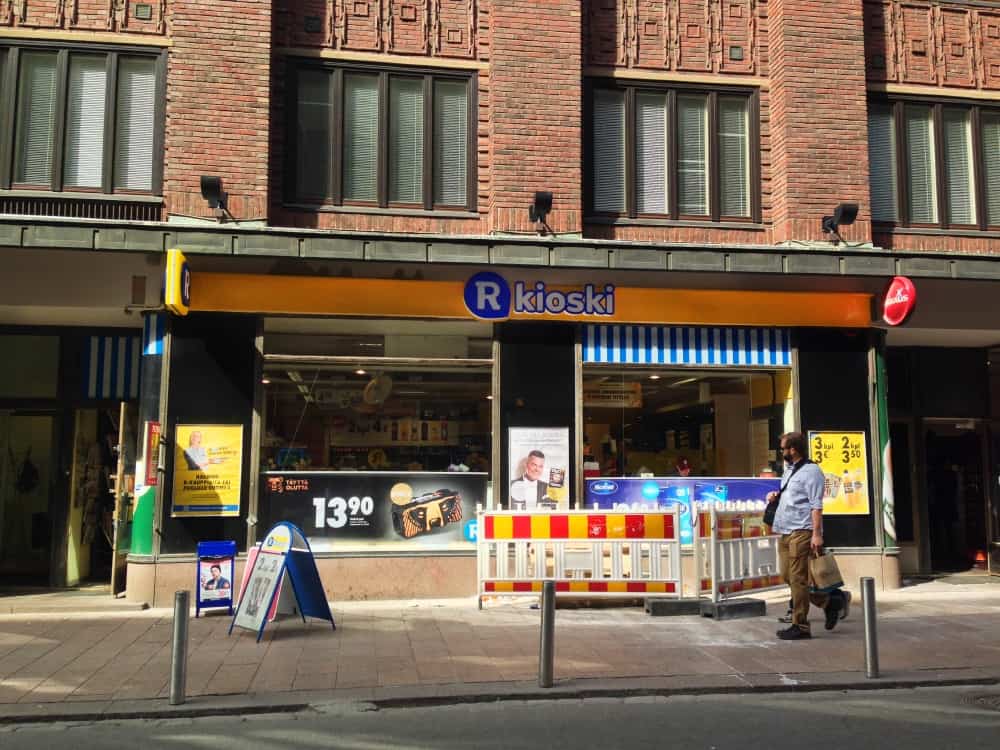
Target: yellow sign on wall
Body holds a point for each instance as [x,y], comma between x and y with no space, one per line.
[843,457]
[208,468]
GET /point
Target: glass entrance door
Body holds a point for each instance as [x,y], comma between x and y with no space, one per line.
[27,461]
[957,494]
[993,521]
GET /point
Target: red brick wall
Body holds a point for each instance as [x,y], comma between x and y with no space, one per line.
[818,115]
[535,113]
[218,104]
[933,44]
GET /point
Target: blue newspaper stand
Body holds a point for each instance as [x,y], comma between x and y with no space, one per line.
[208,591]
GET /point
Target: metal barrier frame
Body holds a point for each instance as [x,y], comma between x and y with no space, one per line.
[549,538]
[732,544]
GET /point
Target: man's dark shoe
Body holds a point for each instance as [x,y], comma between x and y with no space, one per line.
[832,611]
[794,633]
[845,610]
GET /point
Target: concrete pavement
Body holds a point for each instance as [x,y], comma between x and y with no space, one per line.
[394,653]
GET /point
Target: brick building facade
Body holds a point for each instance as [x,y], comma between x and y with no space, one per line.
[688,144]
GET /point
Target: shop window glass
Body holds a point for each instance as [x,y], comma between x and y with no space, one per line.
[31,366]
[642,421]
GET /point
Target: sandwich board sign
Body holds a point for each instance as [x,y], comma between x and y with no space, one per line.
[284,549]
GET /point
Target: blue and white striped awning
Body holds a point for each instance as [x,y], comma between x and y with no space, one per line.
[154,327]
[686,345]
[111,367]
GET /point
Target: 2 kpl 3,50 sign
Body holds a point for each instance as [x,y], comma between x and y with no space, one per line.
[336,512]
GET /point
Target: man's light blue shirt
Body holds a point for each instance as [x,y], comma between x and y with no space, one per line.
[803,494]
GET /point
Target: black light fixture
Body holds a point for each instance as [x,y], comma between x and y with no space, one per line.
[843,215]
[539,210]
[211,191]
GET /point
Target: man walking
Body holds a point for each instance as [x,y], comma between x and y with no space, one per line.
[799,520]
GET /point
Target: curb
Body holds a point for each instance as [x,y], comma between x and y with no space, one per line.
[555,694]
[494,693]
[154,713]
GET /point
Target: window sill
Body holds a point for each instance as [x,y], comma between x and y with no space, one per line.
[112,197]
[379,211]
[628,222]
[931,232]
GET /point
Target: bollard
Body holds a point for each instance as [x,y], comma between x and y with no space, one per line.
[546,649]
[178,650]
[871,634]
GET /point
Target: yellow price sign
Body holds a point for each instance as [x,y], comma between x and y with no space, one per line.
[843,457]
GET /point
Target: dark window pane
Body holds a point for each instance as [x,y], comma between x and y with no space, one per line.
[609,151]
[451,138]
[36,118]
[406,140]
[360,137]
[882,163]
[734,156]
[135,123]
[991,154]
[313,136]
[84,165]
[958,161]
[692,156]
[651,153]
[922,173]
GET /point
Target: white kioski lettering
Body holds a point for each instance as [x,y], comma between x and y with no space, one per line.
[537,299]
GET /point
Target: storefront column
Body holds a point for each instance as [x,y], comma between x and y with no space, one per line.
[537,388]
[146,477]
[883,465]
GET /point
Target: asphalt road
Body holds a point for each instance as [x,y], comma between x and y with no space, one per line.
[929,718]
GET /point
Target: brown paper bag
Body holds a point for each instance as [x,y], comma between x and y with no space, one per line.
[824,573]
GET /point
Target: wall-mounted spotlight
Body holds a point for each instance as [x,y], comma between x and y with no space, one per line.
[843,215]
[211,191]
[539,210]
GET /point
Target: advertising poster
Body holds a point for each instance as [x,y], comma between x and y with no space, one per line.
[256,600]
[215,579]
[843,457]
[364,509]
[539,468]
[208,466]
[626,494]
[152,452]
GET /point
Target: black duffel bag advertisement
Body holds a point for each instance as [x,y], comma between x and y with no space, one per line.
[362,510]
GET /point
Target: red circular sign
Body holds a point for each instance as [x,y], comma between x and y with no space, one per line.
[900,299]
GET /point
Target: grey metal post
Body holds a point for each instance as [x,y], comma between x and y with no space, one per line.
[546,649]
[178,650]
[871,634]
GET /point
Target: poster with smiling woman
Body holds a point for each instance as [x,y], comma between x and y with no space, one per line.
[539,468]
